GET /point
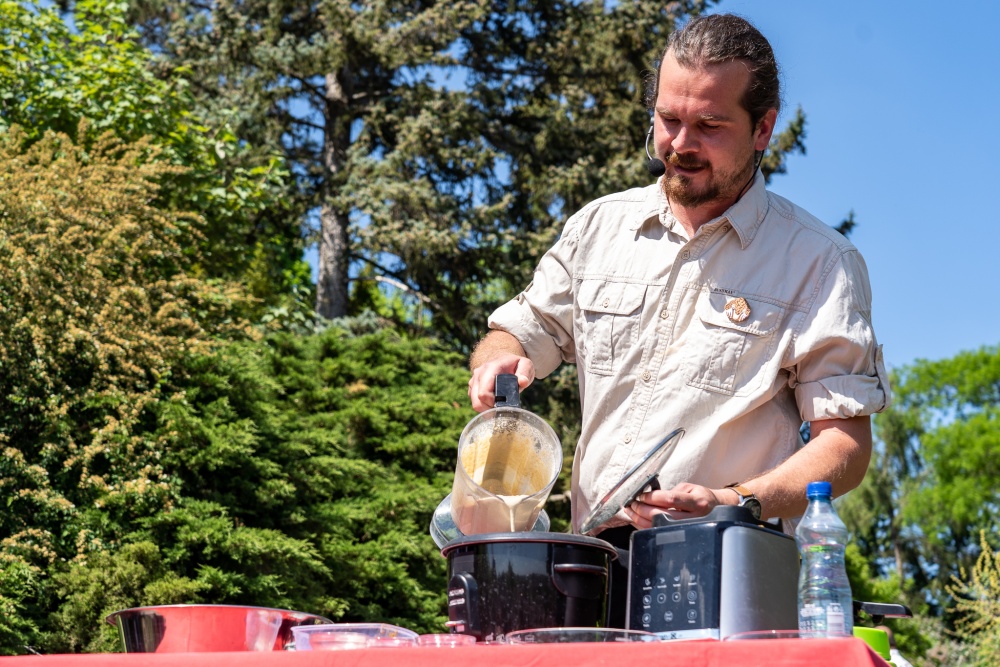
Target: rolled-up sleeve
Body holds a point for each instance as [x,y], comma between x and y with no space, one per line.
[837,367]
[541,317]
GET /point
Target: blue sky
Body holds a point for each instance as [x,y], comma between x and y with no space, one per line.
[902,101]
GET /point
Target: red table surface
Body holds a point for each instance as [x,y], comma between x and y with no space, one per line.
[848,652]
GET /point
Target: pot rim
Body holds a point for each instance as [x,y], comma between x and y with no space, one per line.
[531,537]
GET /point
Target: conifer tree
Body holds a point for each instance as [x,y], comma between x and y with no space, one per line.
[437,145]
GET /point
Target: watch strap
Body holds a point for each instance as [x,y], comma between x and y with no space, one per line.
[748,498]
[743,491]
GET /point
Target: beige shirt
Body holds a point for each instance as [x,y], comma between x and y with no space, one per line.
[641,310]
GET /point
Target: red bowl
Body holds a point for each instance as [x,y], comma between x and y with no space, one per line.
[204,628]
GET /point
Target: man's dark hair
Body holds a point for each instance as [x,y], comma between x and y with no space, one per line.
[722,38]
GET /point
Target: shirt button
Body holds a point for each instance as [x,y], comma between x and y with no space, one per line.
[725,228]
[685,255]
[646,376]
[607,302]
[664,314]
[628,437]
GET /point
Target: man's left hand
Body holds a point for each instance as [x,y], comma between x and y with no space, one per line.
[684,501]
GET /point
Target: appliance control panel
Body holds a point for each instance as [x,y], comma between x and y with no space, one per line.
[674,581]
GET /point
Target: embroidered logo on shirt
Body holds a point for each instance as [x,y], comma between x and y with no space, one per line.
[737,309]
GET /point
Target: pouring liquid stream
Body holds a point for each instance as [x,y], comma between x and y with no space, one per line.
[513,502]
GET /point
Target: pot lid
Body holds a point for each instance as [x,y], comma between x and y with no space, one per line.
[443,529]
[633,483]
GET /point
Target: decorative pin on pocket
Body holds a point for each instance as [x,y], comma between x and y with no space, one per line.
[737,309]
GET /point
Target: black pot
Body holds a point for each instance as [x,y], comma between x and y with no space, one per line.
[500,582]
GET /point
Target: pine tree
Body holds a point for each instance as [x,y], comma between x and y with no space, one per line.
[438,146]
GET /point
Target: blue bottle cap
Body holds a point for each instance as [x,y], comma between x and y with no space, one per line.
[819,489]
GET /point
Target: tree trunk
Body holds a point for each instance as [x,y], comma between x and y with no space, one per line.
[334,240]
[331,286]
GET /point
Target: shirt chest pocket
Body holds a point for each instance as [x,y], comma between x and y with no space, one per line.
[728,356]
[611,313]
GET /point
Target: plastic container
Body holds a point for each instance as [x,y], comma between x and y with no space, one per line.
[824,599]
[444,640]
[341,636]
[877,639]
[578,635]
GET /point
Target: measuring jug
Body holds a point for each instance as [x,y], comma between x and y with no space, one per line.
[508,461]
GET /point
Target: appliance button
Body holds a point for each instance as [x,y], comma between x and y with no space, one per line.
[646,618]
[661,598]
[647,600]
[692,596]
[692,614]
[668,616]
[677,596]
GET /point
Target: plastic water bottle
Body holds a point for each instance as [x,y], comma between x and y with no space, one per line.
[825,602]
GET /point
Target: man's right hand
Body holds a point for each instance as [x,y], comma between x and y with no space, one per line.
[497,353]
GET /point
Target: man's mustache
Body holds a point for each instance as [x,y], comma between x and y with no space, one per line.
[677,160]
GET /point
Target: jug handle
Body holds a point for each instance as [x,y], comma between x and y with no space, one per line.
[507,393]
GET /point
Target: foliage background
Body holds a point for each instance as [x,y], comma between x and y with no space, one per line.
[179,425]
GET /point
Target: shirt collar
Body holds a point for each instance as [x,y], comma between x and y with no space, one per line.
[746,215]
[654,206]
[749,211]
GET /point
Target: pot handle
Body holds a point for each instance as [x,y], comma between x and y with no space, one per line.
[624,558]
[577,580]
[506,392]
[463,603]
[580,567]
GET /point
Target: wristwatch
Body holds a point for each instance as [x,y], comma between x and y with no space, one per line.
[747,499]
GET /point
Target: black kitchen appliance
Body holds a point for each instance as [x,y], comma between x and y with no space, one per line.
[501,582]
[712,577]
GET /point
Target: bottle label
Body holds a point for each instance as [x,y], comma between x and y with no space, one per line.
[835,620]
[822,619]
[822,548]
[812,618]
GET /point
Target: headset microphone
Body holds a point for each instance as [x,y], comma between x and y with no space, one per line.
[655,165]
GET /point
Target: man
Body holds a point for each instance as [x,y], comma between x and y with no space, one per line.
[703,302]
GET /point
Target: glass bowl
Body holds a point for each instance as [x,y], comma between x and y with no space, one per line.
[768,634]
[444,640]
[573,635]
[340,636]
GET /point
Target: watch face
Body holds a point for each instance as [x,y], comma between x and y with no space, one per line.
[753,505]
